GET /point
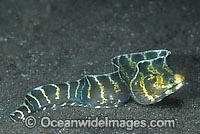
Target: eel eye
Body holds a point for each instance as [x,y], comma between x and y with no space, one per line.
[171,81]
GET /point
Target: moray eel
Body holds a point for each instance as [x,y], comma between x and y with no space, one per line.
[144,77]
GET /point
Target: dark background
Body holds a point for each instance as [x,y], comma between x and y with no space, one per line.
[53,41]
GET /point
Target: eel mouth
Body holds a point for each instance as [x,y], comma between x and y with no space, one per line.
[179,85]
[174,88]
[179,81]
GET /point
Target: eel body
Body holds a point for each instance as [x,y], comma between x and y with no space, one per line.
[144,77]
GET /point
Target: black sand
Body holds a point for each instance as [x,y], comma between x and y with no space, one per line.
[56,41]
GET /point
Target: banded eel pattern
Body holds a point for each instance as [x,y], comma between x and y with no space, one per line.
[144,77]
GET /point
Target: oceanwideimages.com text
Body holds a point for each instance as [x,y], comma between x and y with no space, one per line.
[106,122]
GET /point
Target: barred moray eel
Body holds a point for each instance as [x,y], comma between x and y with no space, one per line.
[144,76]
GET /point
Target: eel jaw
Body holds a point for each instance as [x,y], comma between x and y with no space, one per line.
[174,88]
